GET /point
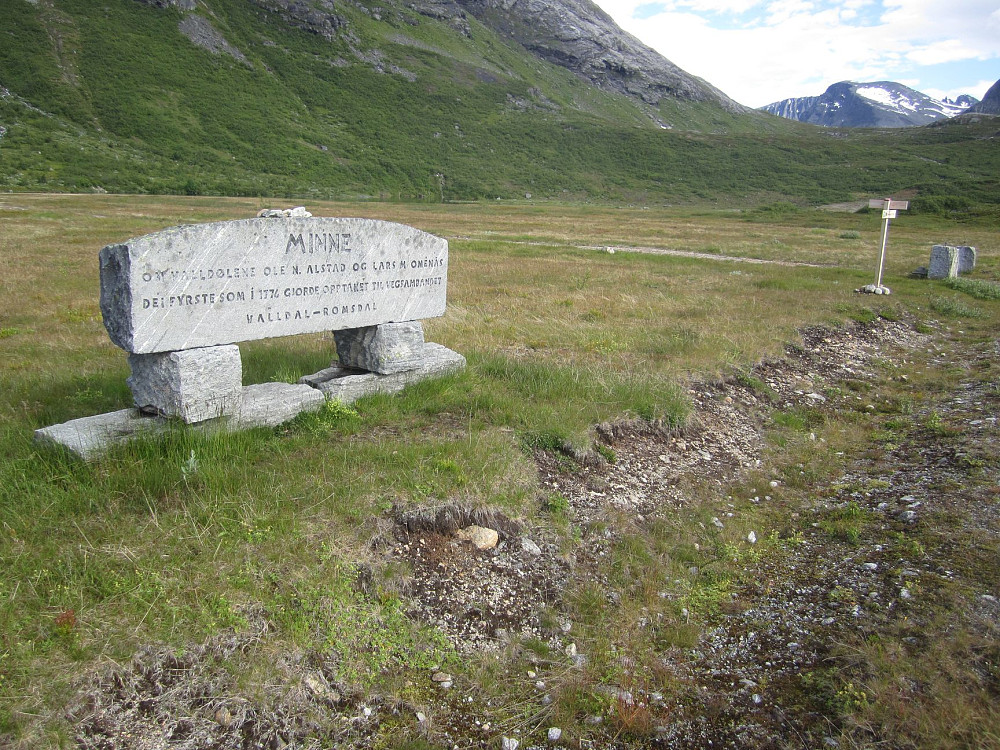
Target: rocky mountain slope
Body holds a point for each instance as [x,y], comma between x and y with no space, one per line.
[578,35]
[990,105]
[573,34]
[881,104]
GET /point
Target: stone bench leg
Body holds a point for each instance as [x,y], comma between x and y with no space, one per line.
[193,384]
[385,349]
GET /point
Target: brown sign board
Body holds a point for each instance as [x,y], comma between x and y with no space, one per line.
[888,204]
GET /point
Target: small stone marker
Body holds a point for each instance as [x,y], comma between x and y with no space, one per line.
[179,300]
[948,262]
[889,208]
[943,263]
[966,259]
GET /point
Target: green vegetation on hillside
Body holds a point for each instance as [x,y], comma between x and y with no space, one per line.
[406,108]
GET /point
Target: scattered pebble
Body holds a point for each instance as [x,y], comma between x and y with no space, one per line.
[530,547]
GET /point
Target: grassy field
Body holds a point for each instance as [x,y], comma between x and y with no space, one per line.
[176,541]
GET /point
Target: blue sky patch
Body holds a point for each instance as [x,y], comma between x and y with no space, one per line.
[648,10]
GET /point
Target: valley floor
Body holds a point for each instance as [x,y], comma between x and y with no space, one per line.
[810,562]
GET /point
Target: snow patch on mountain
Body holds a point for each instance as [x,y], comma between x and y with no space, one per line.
[881,104]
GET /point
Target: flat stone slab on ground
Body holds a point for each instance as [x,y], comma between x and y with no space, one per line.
[264,405]
[271,404]
[348,385]
[90,437]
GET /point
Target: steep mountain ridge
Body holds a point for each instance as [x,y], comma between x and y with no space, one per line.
[879,104]
[990,105]
[578,35]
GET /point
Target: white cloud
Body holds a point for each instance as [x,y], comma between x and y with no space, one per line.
[946,50]
[977,89]
[799,47]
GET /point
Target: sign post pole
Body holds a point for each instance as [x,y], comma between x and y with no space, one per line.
[889,208]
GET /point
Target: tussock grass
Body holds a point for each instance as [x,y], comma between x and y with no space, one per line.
[978,288]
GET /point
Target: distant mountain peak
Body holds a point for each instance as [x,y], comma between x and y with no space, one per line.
[877,104]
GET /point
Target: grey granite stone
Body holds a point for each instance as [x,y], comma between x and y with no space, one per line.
[333,371]
[192,385]
[265,405]
[271,404]
[944,262]
[348,385]
[385,349]
[966,259]
[91,437]
[225,282]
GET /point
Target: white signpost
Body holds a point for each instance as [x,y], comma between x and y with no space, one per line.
[889,208]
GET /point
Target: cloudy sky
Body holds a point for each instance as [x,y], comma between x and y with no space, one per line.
[761,51]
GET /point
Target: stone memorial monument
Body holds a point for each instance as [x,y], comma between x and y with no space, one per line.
[179,300]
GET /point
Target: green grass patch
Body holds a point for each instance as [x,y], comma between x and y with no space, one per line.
[954,307]
[978,288]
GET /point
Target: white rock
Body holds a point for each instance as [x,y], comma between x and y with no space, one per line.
[752,537]
[554,734]
[530,547]
[509,743]
[480,536]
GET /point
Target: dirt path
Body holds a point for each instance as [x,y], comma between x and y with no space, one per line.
[665,251]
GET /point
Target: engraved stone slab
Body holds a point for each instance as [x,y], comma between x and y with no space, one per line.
[193,384]
[388,348]
[944,262]
[225,282]
[966,259]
